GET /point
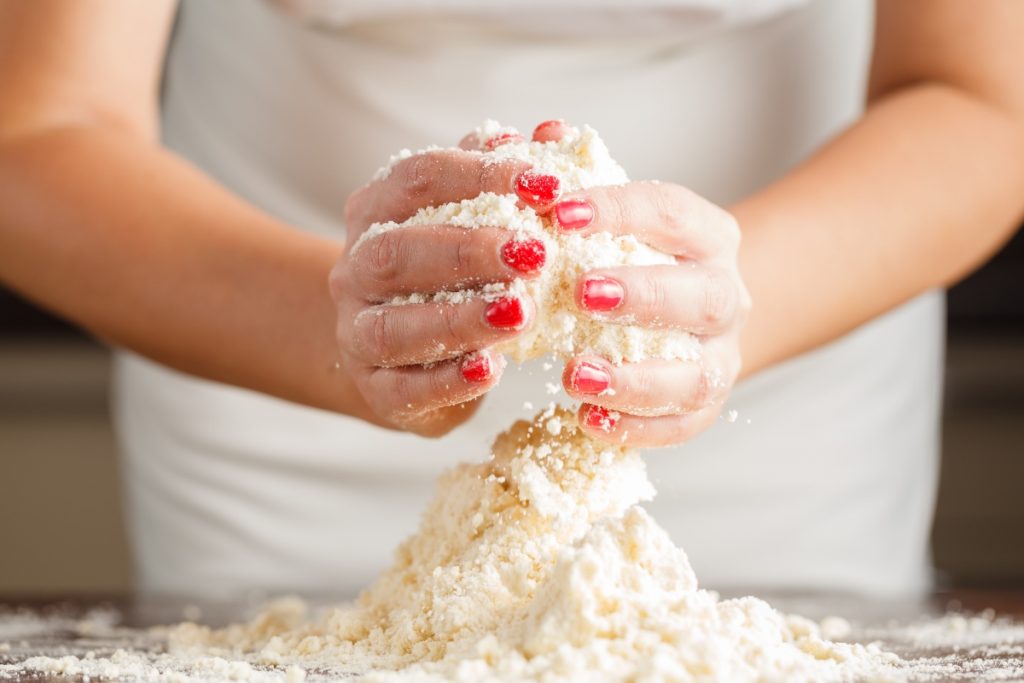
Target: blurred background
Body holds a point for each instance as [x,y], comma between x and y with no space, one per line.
[61,529]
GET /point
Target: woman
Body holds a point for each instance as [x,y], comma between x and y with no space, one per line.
[198,235]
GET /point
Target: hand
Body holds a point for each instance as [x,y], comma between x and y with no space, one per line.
[658,402]
[423,367]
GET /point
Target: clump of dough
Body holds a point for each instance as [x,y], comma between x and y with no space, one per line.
[539,564]
[580,160]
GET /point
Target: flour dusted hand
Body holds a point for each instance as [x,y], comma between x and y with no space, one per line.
[421,367]
[634,285]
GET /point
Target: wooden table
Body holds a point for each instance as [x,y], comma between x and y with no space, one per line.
[871,617]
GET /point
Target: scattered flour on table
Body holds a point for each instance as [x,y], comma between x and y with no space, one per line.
[580,160]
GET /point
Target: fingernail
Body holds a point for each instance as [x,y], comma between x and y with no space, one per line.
[505,313]
[601,418]
[538,135]
[477,368]
[602,294]
[526,256]
[590,378]
[573,214]
[503,139]
[538,189]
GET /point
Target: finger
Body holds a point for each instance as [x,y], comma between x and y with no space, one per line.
[646,388]
[665,216]
[551,131]
[432,258]
[429,179]
[644,432]
[486,138]
[415,394]
[417,333]
[689,296]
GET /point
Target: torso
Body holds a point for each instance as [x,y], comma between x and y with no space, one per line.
[825,480]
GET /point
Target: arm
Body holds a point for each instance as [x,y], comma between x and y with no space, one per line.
[101,225]
[926,186]
[915,195]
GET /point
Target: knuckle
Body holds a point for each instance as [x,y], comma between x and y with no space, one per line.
[465,252]
[403,392]
[416,177]
[644,382]
[451,323]
[614,207]
[377,336]
[337,281]
[655,298]
[719,301]
[378,262]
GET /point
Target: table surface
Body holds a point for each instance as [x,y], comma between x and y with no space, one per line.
[888,622]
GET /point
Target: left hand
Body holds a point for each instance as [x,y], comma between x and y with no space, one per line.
[658,402]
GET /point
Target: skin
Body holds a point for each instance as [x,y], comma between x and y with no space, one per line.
[152,255]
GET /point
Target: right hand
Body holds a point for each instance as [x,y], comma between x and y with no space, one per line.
[423,367]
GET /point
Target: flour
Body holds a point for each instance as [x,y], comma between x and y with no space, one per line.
[538,564]
[580,160]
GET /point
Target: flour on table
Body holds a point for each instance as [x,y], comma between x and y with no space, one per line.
[580,161]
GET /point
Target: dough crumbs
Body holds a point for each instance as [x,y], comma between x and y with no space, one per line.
[580,161]
[539,564]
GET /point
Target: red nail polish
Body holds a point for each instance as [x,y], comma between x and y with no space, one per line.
[505,313]
[503,139]
[477,368]
[590,378]
[538,189]
[573,214]
[538,132]
[601,418]
[526,256]
[602,294]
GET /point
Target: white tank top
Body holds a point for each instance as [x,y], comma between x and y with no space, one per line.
[825,481]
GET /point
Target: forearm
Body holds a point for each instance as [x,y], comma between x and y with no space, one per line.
[914,196]
[144,251]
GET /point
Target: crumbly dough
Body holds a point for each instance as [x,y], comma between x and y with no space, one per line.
[539,564]
[580,160]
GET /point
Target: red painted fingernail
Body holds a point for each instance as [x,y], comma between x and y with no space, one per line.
[601,418]
[573,214]
[477,368]
[526,256]
[602,294]
[505,313]
[503,139]
[590,378]
[538,136]
[538,189]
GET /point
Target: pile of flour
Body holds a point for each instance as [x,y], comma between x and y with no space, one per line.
[539,564]
[580,160]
